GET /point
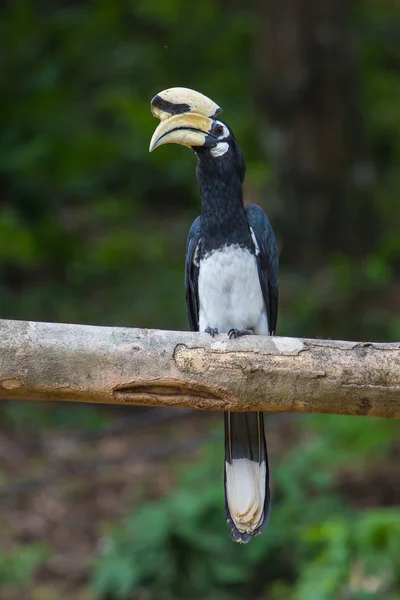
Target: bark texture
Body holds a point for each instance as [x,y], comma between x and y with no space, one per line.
[82,363]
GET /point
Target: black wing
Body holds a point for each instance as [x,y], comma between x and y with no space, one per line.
[267,261]
[192,274]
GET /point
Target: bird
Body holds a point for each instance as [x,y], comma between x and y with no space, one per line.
[231,278]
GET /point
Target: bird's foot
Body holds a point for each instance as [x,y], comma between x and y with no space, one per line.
[211,331]
[235,333]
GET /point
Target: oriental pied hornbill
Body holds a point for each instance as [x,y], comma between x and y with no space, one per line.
[231,281]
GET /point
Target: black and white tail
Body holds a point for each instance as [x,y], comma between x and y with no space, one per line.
[247,495]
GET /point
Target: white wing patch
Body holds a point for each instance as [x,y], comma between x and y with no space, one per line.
[196,255]
[253,237]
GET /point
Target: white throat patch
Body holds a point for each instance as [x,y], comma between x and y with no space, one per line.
[220,149]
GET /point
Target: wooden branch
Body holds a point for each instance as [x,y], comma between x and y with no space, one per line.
[54,361]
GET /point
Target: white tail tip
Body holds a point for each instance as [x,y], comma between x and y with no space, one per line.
[245,493]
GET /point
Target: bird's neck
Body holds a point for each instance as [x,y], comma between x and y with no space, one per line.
[223,219]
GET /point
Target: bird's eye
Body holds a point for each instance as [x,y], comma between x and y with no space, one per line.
[219,130]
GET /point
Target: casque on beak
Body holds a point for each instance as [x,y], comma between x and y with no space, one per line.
[186,118]
[178,100]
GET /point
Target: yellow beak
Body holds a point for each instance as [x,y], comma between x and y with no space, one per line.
[188,129]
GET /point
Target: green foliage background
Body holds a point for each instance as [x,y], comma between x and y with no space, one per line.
[93,230]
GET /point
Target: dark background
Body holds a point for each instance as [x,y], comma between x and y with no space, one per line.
[108,503]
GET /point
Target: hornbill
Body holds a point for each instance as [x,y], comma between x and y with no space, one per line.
[231,282]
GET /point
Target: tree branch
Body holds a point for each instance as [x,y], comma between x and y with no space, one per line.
[112,365]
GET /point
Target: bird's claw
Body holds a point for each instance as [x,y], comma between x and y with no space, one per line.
[212,331]
[235,333]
